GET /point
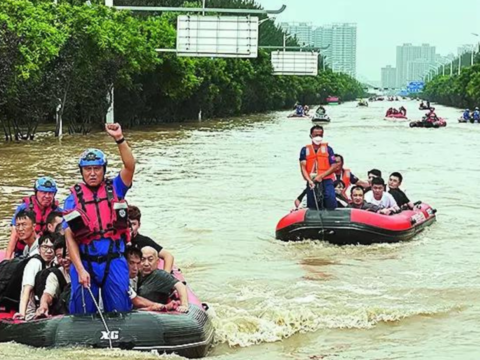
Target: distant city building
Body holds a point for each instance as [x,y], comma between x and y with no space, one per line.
[417,69]
[410,59]
[341,40]
[389,77]
[302,31]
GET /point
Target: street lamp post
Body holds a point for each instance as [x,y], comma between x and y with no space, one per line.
[459,63]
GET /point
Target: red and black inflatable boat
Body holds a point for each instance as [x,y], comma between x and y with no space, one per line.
[353,226]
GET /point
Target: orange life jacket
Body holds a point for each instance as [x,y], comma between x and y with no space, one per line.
[98,214]
[346,178]
[41,214]
[318,162]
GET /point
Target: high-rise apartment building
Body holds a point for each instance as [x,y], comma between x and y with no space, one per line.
[303,32]
[389,77]
[410,59]
[341,40]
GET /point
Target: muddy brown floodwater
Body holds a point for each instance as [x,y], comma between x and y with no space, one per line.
[212,193]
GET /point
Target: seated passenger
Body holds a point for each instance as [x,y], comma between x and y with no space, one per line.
[134,259]
[476,115]
[25,231]
[306,109]
[157,285]
[41,204]
[358,202]
[403,110]
[299,110]
[36,264]
[346,175]
[54,223]
[321,110]
[140,241]
[52,285]
[394,182]
[466,114]
[431,116]
[342,201]
[299,199]
[379,197]
[374,173]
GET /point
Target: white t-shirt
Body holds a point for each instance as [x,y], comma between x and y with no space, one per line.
[387,200]
[132,289]
[27,252]
[52,286]
[33,267]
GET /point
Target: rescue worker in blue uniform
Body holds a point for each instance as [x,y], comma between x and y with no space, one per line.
[97,230]
[476,115]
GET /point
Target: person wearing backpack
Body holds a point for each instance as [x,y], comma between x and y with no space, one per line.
[35,264]
[52,285]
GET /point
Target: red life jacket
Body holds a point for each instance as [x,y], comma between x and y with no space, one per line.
[98,214]
[41,214]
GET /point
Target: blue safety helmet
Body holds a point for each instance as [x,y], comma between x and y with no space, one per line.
[45,184]
[92,157]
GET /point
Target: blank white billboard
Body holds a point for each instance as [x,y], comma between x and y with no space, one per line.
[295,63]
[217,36]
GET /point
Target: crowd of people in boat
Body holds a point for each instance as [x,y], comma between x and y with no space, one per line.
[393,111]
[473,116]
[424,105]
[304,110]
[330,185]
[87,255]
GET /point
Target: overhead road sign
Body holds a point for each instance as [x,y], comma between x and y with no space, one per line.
[217,36]
[295,63]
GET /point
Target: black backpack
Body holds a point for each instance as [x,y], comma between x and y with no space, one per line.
[11,276]
[60,305]
[41,281]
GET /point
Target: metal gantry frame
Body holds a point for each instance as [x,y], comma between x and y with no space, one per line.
[203,9]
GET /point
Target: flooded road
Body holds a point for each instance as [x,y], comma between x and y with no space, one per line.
[212,193]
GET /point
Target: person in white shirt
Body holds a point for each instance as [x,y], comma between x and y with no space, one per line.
[378,196]
[36,264]
[50,300]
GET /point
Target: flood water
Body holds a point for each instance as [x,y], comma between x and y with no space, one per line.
[212,193]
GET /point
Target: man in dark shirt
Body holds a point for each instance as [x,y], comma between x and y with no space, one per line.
[140,241]
[157,285]
[358,202]
[394,182]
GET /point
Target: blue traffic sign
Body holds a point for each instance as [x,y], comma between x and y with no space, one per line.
[415,86]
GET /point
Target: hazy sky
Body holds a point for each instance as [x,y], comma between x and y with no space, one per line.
[382,25]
